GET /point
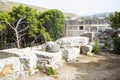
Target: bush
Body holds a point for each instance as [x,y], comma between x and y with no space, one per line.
[116,45]
[51,71]
[96,47]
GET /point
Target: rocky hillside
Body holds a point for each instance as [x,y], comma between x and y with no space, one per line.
[6,5]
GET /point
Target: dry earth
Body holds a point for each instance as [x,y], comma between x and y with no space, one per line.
[97,67]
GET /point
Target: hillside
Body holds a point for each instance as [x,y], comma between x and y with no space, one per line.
[6,5]
[99,15]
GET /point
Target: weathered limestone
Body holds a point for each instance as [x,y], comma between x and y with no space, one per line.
[71,46]
[72,41]
[29,63]
[27,57]
[10,65]
[70,53]
[87,48]
[52,47]
[49,59]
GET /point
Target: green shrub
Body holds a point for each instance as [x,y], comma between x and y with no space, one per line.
[96,47]
[116,45]
[51,71]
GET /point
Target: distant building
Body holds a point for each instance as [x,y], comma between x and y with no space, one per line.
[79,27]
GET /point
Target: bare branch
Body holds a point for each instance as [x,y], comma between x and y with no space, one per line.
[22,35]
[23,22]
[19,21]
[10,25]
[14,23]
[14,39]
[23,29]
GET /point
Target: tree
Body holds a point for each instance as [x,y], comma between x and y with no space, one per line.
[31,17]
[14,27]
[3,17]
[115,24]
[3,30]
[53,21]
[17,30]
[24,24]
[22,20]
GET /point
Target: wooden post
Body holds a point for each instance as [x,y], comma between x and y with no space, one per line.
[32,44]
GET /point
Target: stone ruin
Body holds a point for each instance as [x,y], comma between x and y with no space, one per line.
[70,46]
[51,54]
[105,39]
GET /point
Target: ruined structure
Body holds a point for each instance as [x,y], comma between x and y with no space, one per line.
[78,27]
[25,61]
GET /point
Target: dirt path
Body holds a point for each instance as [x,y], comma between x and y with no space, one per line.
[97,67]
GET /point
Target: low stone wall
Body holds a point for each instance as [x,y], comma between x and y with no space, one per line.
[30,57]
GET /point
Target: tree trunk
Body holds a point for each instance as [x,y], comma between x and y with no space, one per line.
[17,39]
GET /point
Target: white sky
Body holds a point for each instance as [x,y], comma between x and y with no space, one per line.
[81,7]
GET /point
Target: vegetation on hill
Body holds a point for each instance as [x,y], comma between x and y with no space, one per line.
[23,24]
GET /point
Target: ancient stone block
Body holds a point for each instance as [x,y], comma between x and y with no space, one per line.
[70,53]
[72,41]
[86,48]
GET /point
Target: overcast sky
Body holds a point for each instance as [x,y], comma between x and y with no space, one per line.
[81,7]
